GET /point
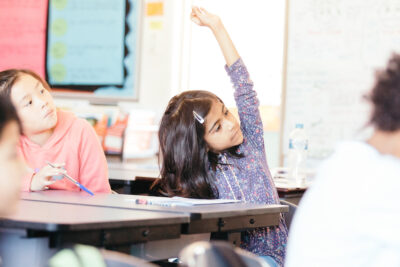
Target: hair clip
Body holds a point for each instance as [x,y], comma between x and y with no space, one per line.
[198,117]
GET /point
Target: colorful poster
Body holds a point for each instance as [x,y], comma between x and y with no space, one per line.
[23,35]
[131,60]
[86,42]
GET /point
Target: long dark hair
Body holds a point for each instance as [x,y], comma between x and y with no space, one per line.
[385,97]
[186,160]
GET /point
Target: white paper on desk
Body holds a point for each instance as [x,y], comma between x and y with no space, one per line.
[196,201]
[178,201]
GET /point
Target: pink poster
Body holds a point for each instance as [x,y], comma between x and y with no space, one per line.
[23,34]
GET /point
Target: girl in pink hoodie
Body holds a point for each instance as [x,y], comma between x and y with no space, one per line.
[54,136]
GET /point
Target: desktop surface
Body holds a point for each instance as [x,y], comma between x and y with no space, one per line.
[121,201]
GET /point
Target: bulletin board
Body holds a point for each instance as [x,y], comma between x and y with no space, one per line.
[333,48]
[84,49]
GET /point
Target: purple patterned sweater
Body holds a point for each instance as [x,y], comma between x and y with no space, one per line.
[249,178]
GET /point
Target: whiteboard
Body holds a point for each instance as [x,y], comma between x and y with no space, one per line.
[333,48]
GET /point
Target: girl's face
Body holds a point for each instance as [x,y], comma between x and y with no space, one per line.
[34,105]
[12,168]
[222,130]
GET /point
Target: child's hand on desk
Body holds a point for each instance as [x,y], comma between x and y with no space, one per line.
[203,18]
[43,178]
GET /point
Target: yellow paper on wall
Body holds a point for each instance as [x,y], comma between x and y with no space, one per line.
[154,9]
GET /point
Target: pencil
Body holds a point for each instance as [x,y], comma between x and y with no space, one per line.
[73,180]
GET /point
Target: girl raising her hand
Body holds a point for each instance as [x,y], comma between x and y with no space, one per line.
[207,153]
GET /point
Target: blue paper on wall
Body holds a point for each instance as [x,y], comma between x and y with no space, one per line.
[86,42]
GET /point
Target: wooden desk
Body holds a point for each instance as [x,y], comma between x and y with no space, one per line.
[39,225]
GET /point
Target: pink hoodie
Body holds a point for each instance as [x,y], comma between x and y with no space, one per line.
[75,143]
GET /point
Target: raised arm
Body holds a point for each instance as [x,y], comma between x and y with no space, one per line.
[245,97]
[203,18]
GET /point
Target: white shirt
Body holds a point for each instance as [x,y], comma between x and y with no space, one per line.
[351,214]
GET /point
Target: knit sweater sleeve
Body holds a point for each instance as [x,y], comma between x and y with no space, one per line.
[247,103]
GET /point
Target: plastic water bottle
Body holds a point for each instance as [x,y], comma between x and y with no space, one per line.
[298,146]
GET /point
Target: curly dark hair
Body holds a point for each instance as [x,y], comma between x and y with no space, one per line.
[385,97]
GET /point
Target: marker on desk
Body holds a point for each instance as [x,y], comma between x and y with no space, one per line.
[164,203]
[73,180]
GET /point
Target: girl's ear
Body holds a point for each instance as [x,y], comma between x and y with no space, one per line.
[208,149]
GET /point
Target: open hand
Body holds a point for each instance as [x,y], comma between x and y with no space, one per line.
[201,17]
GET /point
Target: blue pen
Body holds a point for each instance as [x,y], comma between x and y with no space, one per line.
[73,180]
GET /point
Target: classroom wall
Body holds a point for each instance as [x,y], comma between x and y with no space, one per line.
[159,68]
[163,67]
[160,53]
